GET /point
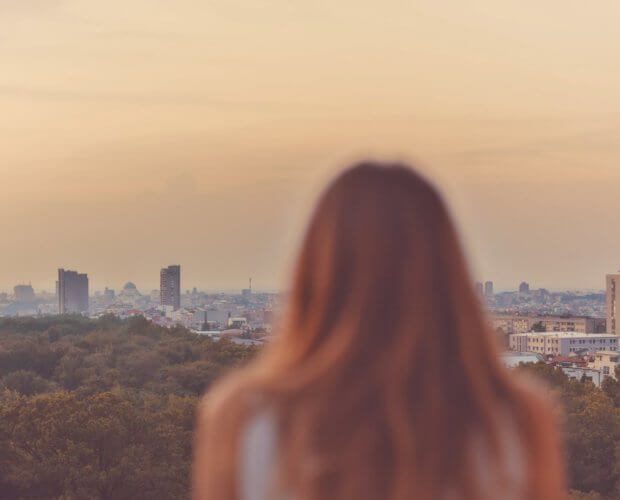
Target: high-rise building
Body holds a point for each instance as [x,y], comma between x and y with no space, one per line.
[613,302]
[479,288]
[72,290]
[524,287]
[170,286]
[23,293]
[246,292]
[488,289]
[109,295]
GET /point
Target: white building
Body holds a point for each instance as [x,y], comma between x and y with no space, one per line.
[237,322]
[562,343]
[218,316]
[579,373]
[606,362]
[513,359]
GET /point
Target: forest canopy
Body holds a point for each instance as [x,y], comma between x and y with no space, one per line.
[104,409]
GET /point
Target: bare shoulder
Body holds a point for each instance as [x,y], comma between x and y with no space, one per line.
[535,391]
[536,410]
[228,396]
[220,418]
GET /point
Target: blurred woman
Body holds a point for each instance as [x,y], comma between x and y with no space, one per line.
[385,380]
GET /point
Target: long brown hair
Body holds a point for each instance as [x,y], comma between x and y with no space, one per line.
[385,369]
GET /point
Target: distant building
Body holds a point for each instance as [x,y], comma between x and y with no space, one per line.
[200,318]
[72,290]
[582,373]
[488,289]
[218,316]
[511,323]
[581,324]
[524,287]
[479,288]
[108,297]
[514,359]
[130,294]
[237,323]
[23,293]
[613,302]
[246,292]
[606,362]
[170,286]
[516,323]
[562,343]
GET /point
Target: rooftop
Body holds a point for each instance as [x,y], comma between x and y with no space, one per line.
[565,335]
[512,359]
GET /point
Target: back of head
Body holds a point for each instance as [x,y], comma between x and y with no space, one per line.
[385,369]
[380,277]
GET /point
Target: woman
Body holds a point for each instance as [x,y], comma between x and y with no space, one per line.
[385,381]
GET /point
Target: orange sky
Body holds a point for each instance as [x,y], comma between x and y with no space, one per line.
[137,134]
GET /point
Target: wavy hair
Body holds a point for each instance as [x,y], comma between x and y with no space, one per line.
[384,371]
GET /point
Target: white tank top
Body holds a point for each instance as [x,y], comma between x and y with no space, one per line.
[258,462]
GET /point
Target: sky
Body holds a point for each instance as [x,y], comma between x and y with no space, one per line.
[135,134]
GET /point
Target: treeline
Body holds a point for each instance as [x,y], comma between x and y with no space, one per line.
[102,409]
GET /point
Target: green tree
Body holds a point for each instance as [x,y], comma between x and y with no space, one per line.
[611,387]
[591,431]
[59,446]
[102,408]
[579,495]
[26,382]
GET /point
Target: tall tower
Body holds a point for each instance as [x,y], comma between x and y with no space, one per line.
[488,289]
[613,302]
[72,289]
[170,286]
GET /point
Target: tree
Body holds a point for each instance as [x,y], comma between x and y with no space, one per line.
[591,431]
[578,495]
[26,382]
[59,446]
[611,387]
[102,408]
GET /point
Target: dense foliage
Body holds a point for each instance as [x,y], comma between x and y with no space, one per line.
[101,409]
[104,409]
[591,424]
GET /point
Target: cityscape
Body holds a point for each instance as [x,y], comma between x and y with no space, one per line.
[312,250]
[575,330]
[246,317]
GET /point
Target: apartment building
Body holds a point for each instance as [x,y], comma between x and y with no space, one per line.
[562,343]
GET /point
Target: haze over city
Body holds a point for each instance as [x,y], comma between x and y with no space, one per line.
[139,134]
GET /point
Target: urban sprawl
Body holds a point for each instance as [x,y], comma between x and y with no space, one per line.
[576,331]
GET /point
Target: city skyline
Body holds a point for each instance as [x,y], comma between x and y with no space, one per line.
[155,284]
[140,134]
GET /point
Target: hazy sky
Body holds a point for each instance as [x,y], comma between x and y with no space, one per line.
[140,133]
